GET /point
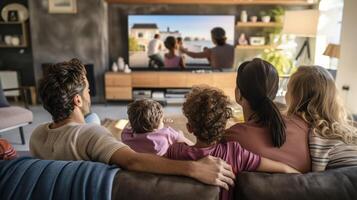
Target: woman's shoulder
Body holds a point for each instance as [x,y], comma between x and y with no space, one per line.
[295,121]
[242,127]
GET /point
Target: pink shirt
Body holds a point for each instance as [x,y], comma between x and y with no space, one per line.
[156,142]
[231,152]
[172,62]
[257,139]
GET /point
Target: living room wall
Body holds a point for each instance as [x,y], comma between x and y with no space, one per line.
[60,37]
[347,70]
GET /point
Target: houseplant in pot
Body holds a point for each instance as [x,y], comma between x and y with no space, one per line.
[278,14]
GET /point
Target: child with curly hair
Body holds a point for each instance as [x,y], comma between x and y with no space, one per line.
[207,110]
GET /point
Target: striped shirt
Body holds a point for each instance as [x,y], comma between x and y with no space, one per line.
[331,153]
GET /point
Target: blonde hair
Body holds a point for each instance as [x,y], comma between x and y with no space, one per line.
[312,95]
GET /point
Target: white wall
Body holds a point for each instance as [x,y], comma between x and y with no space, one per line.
[347,70]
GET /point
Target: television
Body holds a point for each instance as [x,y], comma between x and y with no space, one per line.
[194,30]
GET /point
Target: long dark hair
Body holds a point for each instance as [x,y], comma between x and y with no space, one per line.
[258,82]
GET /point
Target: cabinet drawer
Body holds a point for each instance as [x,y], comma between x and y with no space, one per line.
[224,80]
[172,80]
[116,79]
[198,79]
[118,93]
[145,79]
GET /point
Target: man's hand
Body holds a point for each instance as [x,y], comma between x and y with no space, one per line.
[213,171]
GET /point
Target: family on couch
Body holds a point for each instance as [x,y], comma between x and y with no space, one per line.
[314,134]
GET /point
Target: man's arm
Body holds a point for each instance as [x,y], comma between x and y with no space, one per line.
[209,170]
[267,165]
[203,54]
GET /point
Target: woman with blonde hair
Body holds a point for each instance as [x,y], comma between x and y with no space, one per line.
[312,95]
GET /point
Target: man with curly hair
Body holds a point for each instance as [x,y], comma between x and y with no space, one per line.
[207,110]
[65,95]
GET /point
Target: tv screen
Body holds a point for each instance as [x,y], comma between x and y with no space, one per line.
[151,37]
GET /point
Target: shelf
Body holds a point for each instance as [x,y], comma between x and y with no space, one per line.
[12,46]
[222,2]
[2,22]
[258,24]
[252,47]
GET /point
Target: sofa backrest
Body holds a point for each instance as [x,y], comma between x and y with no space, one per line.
[333,184]
[134,185]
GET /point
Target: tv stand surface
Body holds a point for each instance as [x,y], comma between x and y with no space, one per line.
[119,86]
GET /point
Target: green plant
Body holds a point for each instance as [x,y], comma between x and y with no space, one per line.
[278,14]
[263,13]
[278,11]
[281,61]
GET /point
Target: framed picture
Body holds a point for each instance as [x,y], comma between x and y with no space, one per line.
[62,6]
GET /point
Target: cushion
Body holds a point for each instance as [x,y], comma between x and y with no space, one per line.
[333,184]
[13,116]
[3,100]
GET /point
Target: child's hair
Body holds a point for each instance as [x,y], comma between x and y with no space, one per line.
[207,111]
[145,115]
[312,95]
[179,39]
[170,42]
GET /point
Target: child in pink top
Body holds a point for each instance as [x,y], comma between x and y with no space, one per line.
[171,59]
[146,132]
[207,112]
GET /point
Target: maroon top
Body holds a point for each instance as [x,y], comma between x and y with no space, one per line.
[257,139]
[231,152]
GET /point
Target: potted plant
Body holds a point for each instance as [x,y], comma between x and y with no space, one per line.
[281,61]
[265,17]
[278,14]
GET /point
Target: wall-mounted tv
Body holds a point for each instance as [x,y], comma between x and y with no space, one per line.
[194,30]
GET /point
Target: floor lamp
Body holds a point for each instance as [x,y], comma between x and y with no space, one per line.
[301,23]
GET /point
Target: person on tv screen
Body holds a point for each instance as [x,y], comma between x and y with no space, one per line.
[220,56]
[171,59]
[154,48]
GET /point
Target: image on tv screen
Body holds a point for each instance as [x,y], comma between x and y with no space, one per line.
[147,35]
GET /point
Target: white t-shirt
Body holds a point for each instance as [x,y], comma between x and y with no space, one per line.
[153,47]
[74,141]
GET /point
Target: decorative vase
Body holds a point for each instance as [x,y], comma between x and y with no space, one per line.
[242,39]
[121,64]
[127,69]
[243,16]
[253,18]
[115,67]
[15,41]
[266,19]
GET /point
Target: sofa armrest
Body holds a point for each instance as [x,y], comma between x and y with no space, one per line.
[135,185]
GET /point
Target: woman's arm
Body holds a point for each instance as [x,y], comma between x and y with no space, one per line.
[267,165]
[209,170]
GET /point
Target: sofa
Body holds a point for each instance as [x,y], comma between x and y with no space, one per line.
[334,184]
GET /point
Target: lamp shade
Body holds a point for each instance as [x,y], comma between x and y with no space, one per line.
[332,50]
[301,23]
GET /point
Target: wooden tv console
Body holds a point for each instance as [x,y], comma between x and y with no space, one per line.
[119,86]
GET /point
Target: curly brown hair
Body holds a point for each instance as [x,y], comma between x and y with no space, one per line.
[207,110]
[58,88]
[145,115]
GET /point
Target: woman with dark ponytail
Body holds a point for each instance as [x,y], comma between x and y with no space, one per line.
[266,131]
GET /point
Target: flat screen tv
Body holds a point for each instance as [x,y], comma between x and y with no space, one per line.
[194,30]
